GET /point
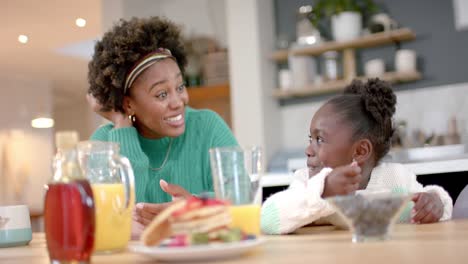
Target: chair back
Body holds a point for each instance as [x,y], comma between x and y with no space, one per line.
[460,209]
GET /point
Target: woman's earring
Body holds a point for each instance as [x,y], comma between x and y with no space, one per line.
[132,118]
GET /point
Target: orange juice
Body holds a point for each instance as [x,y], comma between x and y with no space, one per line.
[246,217]
[113,220]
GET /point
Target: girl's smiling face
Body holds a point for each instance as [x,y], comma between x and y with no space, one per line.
[330,141]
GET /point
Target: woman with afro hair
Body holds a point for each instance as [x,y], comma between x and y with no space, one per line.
[136,82]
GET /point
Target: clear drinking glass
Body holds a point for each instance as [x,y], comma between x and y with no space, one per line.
[236,177]
[112,182]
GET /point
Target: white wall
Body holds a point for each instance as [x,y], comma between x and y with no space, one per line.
[29,149]
[296,122]
[112,11]
[432,107]
[78,116]
[428,109]
[201,17]
[255,114]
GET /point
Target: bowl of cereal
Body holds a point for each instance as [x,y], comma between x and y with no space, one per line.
[370,216]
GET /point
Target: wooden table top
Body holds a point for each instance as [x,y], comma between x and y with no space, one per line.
[445,242]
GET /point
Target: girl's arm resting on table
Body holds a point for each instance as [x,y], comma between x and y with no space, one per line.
[299,205]
[439,191]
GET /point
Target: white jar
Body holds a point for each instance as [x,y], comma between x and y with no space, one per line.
[374,68]
[405,60]
[330,65]
[303,68]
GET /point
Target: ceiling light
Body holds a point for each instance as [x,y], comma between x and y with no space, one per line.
[80,22]
[23,39]
[42,122]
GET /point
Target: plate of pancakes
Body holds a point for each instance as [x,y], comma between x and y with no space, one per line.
[194,229]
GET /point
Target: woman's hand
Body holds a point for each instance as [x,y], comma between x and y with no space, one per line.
[137,228]
[145,212]
[428,208]
[117,118]
[174,190]
[342,180]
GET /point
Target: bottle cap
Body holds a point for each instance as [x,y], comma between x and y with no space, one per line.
[66,139]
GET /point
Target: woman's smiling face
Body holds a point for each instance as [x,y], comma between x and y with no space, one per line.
[157,99]
[330,141]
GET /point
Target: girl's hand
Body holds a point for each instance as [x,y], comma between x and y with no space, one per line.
[117,118]
[428,208]
[342,180]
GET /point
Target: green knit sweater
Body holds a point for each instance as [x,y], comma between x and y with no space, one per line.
[188,163]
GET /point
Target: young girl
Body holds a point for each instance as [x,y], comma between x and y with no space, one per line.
[348,137]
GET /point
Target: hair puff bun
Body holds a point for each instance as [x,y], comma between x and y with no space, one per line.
[378,97]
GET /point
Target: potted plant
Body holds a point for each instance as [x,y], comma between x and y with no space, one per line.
[346,16]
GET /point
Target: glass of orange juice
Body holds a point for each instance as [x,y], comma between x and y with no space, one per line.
[236,177]
[112,182]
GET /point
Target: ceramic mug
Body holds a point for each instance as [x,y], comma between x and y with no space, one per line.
[374,68]
[405,60]
[15,226]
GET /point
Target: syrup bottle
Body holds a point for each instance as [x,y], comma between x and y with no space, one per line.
[69,216]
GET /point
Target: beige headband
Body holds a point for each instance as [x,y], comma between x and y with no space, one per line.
[144,63]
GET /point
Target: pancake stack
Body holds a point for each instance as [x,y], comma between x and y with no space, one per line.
[192,221]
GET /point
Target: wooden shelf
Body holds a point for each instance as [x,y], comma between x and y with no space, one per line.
[348,62]
[214,97]
[368,41]
[200,93]
[338,85]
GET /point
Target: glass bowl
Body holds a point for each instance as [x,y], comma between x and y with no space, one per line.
[370,216]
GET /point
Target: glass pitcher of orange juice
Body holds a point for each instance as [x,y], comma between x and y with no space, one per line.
[112,182]
[236,177]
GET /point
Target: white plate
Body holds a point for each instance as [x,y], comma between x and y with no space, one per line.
[200,252]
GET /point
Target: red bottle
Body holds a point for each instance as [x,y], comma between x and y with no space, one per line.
[69,206]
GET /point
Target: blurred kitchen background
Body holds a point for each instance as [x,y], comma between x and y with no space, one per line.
[264,65]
